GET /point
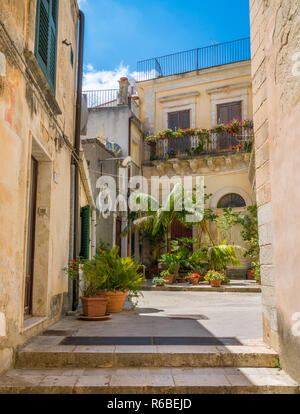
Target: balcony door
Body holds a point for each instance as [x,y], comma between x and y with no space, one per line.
[31,237]
[179,120]
[226,113]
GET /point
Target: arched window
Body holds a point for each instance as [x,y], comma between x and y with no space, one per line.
[231,200]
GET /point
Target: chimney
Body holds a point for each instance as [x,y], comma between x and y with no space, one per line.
[123,91]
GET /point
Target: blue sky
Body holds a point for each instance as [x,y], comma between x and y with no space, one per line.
[121,32]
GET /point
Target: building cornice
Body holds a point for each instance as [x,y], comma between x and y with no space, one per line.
[179,96]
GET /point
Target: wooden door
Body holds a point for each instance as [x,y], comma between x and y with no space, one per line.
[31,237]
[226,113]
[179,231]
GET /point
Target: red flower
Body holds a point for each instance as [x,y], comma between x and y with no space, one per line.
[194,276]
[72,267]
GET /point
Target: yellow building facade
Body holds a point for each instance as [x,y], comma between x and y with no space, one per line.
[201,99]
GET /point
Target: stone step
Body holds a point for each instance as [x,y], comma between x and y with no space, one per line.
[236,286]
[149,381]
[37,354]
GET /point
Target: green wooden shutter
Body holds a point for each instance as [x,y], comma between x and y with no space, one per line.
[46,38]
[85,215]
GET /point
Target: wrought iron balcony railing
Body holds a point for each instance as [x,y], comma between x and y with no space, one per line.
[192,146]
[102,98]
[195,59]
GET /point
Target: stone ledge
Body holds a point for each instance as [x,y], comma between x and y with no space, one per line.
[39,77]
[206,288]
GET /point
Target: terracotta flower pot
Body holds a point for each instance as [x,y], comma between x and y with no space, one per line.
[250,274]
[216,283]
[96,306]
[195,281]
[116,301]
[170,279]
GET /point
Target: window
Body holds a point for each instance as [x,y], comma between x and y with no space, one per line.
[228,111]
[179,119]
[46,38]
[231,200]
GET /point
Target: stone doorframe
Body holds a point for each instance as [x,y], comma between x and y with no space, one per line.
[42,230]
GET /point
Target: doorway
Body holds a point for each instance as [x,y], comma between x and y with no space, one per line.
[30,237]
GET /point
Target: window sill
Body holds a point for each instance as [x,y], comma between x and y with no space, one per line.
[30,323]
[42,81]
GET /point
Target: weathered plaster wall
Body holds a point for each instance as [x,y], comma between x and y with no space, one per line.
[275,34]
[95,152]
[112,123]
[28,126]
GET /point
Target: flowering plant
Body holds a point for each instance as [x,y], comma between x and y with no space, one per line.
[194,276]
[213,275]
[236,148]
[233,127]
[247,123]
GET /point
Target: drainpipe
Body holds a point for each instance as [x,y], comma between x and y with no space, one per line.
[129,176]
[77,143]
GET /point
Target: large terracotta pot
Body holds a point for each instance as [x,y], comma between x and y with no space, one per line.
[116,301]
[96,306]
[216,283]
[195,281]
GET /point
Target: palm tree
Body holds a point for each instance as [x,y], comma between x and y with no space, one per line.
[157,218]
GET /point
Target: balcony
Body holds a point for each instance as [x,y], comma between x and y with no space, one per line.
[195,59]
[193,146]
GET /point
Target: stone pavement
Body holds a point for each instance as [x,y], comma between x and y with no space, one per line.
[236,361]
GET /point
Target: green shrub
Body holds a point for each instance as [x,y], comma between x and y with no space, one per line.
[158,281]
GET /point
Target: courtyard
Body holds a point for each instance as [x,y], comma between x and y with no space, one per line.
[179,314]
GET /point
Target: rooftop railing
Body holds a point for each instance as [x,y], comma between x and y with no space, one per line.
[102,99]
[195,59]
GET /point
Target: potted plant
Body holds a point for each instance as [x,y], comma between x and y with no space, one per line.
[215,278]
[93,304]
[250,274]
[171,262]
[226,281]
[169,277]
[194,278]
[158,281]
[117,277]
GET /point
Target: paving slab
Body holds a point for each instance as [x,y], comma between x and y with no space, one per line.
[152,380]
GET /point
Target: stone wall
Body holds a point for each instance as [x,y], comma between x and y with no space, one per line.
[275,37]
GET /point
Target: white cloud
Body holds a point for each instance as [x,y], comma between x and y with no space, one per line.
[108,79]
[104,79]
